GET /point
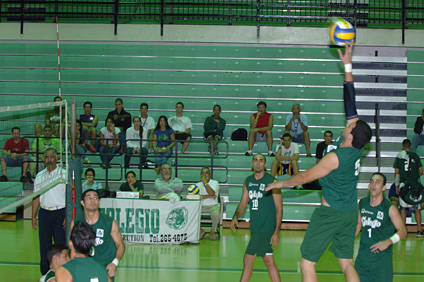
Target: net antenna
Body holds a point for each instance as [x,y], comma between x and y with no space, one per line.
[24,117]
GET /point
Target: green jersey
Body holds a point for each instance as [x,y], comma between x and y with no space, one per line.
[262,207]
[105,248]
[86,269]
[339,186]
[376,226]
[403,165]
[49,275]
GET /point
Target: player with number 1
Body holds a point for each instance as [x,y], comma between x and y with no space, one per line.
[335,220]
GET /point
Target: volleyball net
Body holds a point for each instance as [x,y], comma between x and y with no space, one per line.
[40,126]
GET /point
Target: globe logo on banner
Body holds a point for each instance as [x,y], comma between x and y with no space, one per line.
[177,218]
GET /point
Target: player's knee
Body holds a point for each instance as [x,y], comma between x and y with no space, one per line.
[306,264]
[345,264]
[268,260]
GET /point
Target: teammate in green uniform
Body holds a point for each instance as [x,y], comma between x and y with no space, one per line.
[378,219]
[109,245]
[266,213]
[408,167]
[335,220]
[81,267]
[57,255]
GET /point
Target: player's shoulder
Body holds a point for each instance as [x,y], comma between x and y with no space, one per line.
[364,201]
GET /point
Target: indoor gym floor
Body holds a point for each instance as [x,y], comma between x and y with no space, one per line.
[220,260]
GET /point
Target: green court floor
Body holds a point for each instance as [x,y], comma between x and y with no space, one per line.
[207,261]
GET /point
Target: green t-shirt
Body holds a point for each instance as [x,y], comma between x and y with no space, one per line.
[403,165]
[262,207]
[86,269]
[376,226]
[44,144]
[105,248]
[339,186]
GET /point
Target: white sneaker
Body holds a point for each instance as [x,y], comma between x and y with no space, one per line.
[299,187]
[248,153]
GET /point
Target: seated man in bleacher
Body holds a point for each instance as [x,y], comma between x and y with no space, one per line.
[261,124]
[214,128]
[121,119]
[167,184]
[44,142]
[285,161]
[297,126]
[15,154]
[328,140]
[181,126]
[148,123]
[89,123]
[209,189]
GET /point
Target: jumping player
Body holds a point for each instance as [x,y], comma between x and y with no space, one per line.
[335,220]
[266,213]
[378,219]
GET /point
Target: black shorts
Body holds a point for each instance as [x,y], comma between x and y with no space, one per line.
[182,137]
[285,169]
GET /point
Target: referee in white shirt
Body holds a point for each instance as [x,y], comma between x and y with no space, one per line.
[51,216]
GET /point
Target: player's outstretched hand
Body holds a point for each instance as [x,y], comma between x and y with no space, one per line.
[381,246]
[346,58]
[234,224]
[275,185]
[111,269]
[275,240]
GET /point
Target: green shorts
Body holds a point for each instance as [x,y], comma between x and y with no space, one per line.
[260,244]
[327,226]
[380,268]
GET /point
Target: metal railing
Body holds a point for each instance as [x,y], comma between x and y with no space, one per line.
[400,14]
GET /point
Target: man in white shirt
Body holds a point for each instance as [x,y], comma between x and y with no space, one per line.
[181,126]
[51,217]
[209,189]
[285,161]
[148,123]
[167,184]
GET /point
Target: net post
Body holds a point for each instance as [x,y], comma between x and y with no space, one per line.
[73,129]
[73,203]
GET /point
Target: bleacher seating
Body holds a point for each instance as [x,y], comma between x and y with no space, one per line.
[236,77]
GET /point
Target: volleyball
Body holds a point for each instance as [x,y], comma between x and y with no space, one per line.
[341,31]
[193,189]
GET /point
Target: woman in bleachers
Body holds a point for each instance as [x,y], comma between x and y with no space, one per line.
[164,136]
[109,142]
[132,184]
[89,181]
[134,146]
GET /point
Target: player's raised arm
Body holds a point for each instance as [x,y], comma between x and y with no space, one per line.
[348,87]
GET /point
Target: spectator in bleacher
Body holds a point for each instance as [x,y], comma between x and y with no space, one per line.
[164,136]
[45,141]
[57,255]
[214,129]
[53,119]
[15,154]
[328,140]
[181,126]
[285,161]
[167,184]
[134,146]
[89,182]
[80,148]
[110,146]
[261,124]
[408,168]
[148,123]
[121,119]
[132,184]
[209,189]
[418,138]
[297,126]
[89,123]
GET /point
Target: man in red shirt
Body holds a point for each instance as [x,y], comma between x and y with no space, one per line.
[261,124]
[15,154]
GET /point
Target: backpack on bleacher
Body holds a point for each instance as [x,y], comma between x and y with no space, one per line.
[239,134]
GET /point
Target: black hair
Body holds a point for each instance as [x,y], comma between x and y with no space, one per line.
[328,131]
[16,128]
[132,172]
[90,169]
[406,143]
[179,103]
[55,250]
[286,135]
[47,126]
[216,106]
[144,104]
[261,103]
[362,134]
[119,100]
[82,237]
[166,120]
[88,103]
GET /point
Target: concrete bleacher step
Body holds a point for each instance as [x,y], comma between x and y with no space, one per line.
[10,192]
